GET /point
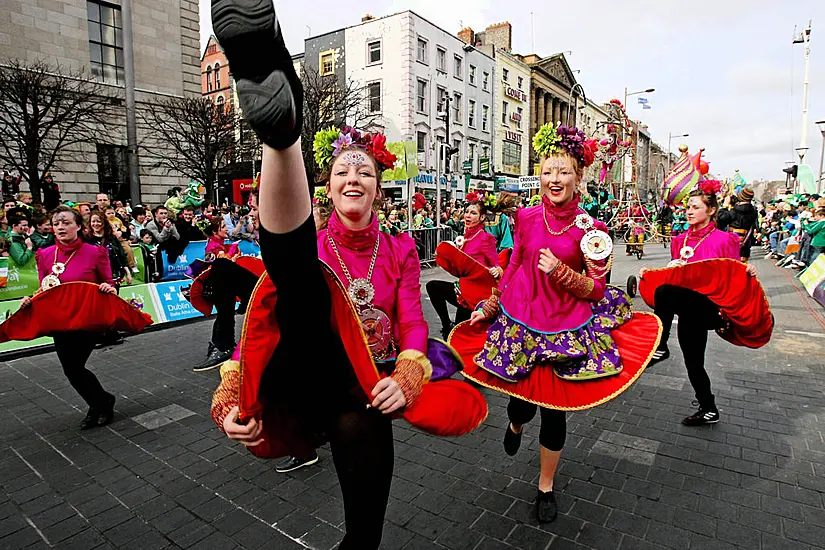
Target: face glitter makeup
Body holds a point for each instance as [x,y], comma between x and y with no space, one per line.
[555,164]
[354,158]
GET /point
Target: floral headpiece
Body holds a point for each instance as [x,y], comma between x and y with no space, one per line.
[329,143]
[473,196]
[549,140]
[710,187]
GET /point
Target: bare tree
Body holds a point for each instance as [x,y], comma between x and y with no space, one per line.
[46,115]
[190,136]
[327,102]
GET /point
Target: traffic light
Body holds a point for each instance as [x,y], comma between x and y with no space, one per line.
[791,170]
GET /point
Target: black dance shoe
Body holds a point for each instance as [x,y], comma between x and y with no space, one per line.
[292,463]
[659,355]
[269,90]
[512,440]
[546,509]
[215,358]
[97,417]
[707,414]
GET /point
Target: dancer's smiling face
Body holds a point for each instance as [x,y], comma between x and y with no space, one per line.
[559,178]
[353,186]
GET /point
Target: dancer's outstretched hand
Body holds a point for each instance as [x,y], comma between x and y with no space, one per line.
[642,272]
[388,396]
[248,434]
[476,316]
[751,270]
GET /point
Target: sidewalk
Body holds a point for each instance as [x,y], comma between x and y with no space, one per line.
[632,476]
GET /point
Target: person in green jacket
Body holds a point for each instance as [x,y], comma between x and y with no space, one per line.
[816,229]
[42,236]
[22,248]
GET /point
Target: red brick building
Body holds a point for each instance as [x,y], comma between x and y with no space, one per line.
[216,81]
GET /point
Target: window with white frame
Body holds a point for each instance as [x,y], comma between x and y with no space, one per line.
[456,157]
[520,116]
[373,52]
[217,76]
[421,96]
[441,98]
[471,156]
[485,152]
[472,77]
[485,117]
[421,142]
[511,153]
[374,96]
[209,85]
[327,62]
[505,75]
[504,106]
[441,60]
[422,51]
[457,108]
[520,82]
[485,81]
[471,114]
[458,67]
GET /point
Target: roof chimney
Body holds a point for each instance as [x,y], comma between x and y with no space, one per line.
[367,17]
[466,35]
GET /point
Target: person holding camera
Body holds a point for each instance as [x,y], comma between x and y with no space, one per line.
[163,229]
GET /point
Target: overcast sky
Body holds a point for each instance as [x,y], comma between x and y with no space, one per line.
[724,70]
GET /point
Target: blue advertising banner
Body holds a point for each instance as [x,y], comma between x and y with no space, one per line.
[173,306]
[196,251]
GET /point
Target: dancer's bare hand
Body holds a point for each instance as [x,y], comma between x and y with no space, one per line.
[388,396]
[476,316]
[547,260]
[248,434]
[25,302]
[751,270]
[106,288]
[642,272]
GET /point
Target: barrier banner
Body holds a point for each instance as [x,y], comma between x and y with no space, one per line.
[143,298]
[173,305]
[814,276]
[20,280]
[6,309]
[196,251]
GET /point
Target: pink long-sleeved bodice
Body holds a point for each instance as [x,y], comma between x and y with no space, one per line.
[480,246]
[395,276]
[529,296]
[708,243]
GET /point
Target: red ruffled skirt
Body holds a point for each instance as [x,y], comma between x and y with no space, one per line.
[636,340]
[195,293]
[475,284]
[739,296]
[73,306]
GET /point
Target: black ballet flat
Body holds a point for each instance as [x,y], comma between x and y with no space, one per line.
[546,508]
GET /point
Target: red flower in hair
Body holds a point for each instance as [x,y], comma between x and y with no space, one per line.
[590,148]
[473,196]
[377,147]
[710,187]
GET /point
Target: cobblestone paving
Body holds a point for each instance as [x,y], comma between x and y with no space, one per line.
[631,476]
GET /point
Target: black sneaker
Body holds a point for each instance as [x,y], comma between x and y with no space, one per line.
[269,90]
[705,415]
[546,509]
[291,463]
[213,360]
[512,440]
[659,355]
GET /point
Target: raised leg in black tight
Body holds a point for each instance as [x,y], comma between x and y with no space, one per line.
[442,293]
[229,281]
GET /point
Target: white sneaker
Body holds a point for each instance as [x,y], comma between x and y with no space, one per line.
[135,270]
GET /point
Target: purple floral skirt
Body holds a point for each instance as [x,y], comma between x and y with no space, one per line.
[512,350]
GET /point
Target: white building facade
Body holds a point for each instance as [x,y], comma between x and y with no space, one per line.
[513,109]
[409,68]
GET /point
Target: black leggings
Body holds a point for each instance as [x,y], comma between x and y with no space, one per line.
[228,281]
[553,432]
[73,350]
[442,293]
[697,315]
[311,353]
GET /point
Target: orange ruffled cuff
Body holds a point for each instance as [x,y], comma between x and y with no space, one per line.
[227,394]
[412,371]
[491,307]
[570,280]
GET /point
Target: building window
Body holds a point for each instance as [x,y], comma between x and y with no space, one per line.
[456,157]
[374,52]
[504,106]
[511,153]
[471,154]
[105,42]
[485,117]
[209,79]
[520,82]
[421,142]
[471,114]
[219,103]
[505,74]
[485,152]
[112,172]
[421,54]
[217,76]
[520,117]
[485,81]
[441,99]
[459,68]
[473,75]
[211,49]
[457,108]
[441,61]
[327,62]
[374,97]
[421,99]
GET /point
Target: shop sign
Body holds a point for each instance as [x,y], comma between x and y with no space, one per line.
[515,137]
[514,93]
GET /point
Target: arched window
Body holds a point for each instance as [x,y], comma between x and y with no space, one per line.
[217,76]
[220,102]
[209,79]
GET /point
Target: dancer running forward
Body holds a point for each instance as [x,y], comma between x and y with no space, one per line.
[312,388]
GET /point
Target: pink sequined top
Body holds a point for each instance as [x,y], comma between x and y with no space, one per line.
[529,296]
[90,263]
[396,276]
[716,244]
[480,246]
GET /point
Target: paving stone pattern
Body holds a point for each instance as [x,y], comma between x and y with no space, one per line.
[162,475]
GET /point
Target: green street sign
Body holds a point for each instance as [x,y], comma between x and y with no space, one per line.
[484,166]
[468,165]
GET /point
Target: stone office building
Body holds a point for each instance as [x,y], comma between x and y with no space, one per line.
[87,34]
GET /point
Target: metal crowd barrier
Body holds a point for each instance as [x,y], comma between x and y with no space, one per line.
[426,240]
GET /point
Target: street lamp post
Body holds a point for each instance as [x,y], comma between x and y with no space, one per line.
[821,125]
[626,95]
[669,137]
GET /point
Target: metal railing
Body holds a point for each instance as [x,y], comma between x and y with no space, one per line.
[426,240]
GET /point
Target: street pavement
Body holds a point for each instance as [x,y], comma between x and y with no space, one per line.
[632,476]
